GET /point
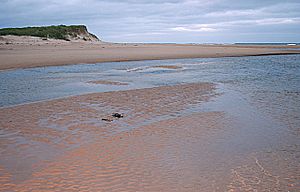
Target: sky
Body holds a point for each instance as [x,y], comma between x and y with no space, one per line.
[169,21]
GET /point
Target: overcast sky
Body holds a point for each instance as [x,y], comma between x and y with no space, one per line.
[199,21]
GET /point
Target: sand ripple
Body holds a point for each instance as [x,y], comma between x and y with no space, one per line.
[64,144]
[165,142]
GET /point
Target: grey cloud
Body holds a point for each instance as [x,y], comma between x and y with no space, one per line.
[163,20]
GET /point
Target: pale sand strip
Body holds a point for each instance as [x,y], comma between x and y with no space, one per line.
[105,82]
[51,53]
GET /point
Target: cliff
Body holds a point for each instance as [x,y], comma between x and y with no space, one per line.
[68,33]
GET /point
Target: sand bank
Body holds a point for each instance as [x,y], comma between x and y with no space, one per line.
[163,143]
[24,52]
[63,144]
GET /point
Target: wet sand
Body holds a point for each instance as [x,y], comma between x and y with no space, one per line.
[25,52]
[64,145]
[163,143]
[104,82]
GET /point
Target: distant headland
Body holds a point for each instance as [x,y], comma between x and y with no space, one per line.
[63,32]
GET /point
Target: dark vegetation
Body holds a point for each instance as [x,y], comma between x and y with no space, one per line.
[56,32]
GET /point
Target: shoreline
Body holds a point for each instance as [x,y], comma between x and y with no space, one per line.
[28,54]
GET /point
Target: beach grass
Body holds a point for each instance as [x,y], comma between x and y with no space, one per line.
[55,32]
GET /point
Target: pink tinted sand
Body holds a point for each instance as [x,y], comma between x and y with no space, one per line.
[63,145]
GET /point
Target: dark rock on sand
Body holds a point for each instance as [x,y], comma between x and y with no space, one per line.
[117,115]
[105,119]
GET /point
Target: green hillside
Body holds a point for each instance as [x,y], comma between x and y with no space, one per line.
[56,32]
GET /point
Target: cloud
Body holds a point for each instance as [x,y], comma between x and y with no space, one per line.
[162,20]
[278,21]
[218,26]
[194,29]
[235,13]
[255,22]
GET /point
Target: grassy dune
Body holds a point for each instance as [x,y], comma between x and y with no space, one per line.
[56,32]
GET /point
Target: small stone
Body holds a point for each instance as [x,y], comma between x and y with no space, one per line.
[117,115]
[109,120]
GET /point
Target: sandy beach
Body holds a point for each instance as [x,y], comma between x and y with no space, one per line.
[64,144]
[185,125]
[149,96]
[25,52]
